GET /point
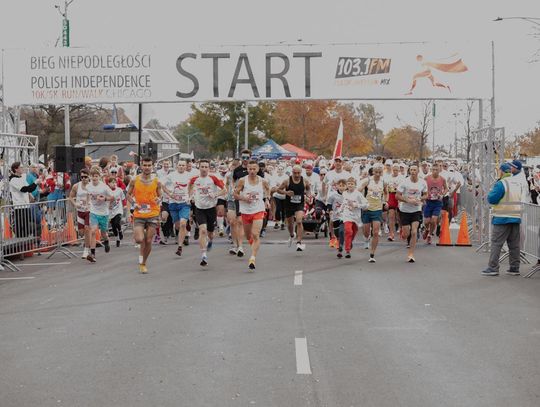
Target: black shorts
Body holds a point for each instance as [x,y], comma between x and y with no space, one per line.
[408,218]
[206,217]
[222,202]
[291,209]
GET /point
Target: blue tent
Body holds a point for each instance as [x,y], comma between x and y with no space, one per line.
[272,151]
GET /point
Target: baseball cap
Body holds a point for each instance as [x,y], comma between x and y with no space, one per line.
[388,162]
[505,167]
[308,167]
[340,158]
[516,164]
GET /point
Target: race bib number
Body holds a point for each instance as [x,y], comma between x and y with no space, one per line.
[144,208]
[296,199]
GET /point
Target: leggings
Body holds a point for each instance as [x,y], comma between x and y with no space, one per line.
[280,210]
[116,224]
[351,229]
[339,232]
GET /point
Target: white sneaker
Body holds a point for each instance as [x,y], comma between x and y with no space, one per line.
[386,230]
[366,244]
[372,260]
[85,253]
[233,251]
[300,247]
[290,241]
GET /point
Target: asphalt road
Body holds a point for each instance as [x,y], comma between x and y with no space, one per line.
[434,333]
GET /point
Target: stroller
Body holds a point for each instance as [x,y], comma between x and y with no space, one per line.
[315,219]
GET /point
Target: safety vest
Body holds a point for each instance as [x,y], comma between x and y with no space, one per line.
[510,204]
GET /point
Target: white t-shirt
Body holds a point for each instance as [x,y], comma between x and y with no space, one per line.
[276,181]
[96,207]
[413,190]
[116,207]
[393,182]
[205,190]
[353,203]
[178,185]
[18,197]
[162,176]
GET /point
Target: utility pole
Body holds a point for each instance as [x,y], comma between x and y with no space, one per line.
[433,150]
[246,128]
[66,43]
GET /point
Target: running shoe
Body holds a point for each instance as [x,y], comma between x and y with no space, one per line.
[340,254]
[233,251]
[348,255]
[107,246]
[263,233]
[372,260]
[164,241]
[300,247]
[290,241]
[251,264]
[512,272]
[143,269]
[209,245]
[282,226]
[186,241]
[366,244]
[91,258]
[390,238]
[85,253]
[386,229]
[410,259]
[240,252]
[179,251]
[488,272]
[276,226]
[221,232]
[204,260]
[117,243]
[157,239]
[121,235]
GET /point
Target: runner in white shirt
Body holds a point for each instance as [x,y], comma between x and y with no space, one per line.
[411,194]
[279,199]
[99,198]
[351,215]
[166,224]
[116,209]
[176,186]
[205,190]
[392,181]
[79,198]
[252,193]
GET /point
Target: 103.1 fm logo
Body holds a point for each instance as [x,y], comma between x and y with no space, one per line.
[350,67]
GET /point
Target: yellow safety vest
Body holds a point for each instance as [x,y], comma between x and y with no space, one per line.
[510,204]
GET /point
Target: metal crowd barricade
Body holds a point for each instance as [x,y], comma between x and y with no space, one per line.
[37,227]
[531,230]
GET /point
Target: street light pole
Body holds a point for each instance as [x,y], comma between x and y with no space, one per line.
[532,20]
[246,128]
[66,43]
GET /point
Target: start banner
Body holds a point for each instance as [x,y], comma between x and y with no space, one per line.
[239,73]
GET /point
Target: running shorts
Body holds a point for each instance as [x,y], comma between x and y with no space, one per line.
[249,218]
[222,202]
[371,216]
[179,211]
[291,209]
[83,220]
[206,217]
[407,218]
[392,201]
[432,208]
[145,222]
[101,221]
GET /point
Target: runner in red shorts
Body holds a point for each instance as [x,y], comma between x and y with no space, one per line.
[393,180]
[253,192]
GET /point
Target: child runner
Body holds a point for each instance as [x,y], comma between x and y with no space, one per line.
[353,203]
[116,209]
[335,209]
[99,198]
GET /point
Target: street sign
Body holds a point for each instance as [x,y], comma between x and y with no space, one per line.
[65,32]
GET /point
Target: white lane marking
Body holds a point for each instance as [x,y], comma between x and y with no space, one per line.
[17,278]
[298,277]
[302,357]
[44,264]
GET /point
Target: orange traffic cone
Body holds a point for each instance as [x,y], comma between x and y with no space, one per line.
[71,234]
[463,236]
[45,235]
[7,229]
[444,237]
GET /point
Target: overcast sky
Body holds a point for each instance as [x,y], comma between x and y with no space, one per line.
[170,24]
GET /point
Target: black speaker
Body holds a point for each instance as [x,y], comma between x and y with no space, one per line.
[62,158]
[77,158]
[152,150]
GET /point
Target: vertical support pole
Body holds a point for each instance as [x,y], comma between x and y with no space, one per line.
[246,128]
[2,104]
[433,144]
[139,149]
[492,84]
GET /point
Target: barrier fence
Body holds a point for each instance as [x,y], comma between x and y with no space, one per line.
[531,234]
[37,227]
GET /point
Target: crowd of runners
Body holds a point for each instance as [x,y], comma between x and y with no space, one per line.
[396,200]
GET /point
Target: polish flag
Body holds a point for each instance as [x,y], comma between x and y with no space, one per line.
[338,149]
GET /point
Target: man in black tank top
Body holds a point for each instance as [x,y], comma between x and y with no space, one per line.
[295,189]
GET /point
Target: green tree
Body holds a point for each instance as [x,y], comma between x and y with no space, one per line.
[370,119]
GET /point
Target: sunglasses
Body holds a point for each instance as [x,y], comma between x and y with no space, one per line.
[245,157]
[84,177]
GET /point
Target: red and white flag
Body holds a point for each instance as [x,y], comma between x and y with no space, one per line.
[338,149]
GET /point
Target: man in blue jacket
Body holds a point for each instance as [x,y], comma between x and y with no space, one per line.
[505,198]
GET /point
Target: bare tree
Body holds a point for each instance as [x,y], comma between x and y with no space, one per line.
[423,121]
